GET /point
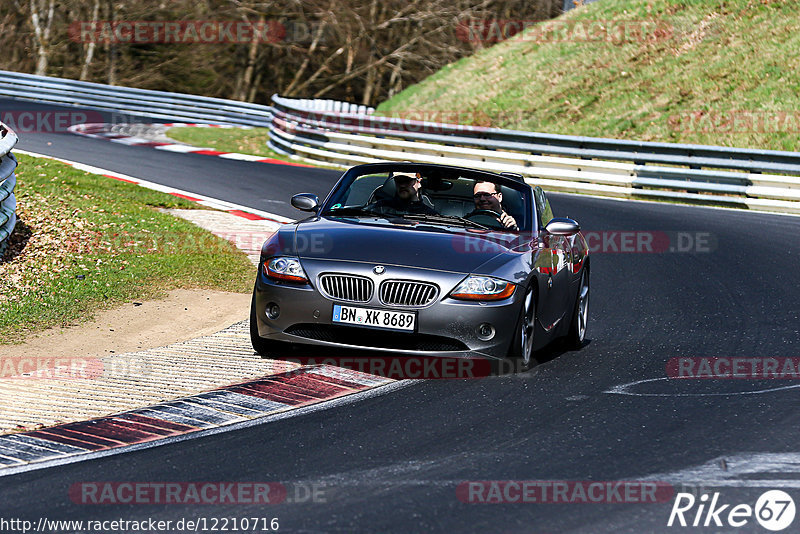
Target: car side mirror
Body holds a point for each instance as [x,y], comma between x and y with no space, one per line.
[306,201]
[562,226]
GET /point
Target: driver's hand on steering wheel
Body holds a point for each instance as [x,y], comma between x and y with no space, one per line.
[507,220]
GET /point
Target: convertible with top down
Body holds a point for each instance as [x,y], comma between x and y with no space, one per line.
[425,260]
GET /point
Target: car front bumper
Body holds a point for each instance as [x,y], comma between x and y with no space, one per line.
[445,328]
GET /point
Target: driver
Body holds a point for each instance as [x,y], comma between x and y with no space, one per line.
[487,196]
[407,197]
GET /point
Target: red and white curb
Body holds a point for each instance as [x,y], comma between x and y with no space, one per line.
[209,202]
[116,134]
[281,394]
[221,409]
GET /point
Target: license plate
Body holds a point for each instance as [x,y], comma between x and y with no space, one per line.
[390,320]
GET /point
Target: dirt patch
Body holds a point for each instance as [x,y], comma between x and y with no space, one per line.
[136,326]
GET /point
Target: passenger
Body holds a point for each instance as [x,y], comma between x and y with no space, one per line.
[407,197]
[487,196]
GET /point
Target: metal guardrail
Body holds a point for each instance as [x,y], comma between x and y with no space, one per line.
[605,167]
[132,101]
[8,203]
[334,105]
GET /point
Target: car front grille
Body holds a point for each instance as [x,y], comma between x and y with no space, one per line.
[346,287]
[407,293]
[376,339]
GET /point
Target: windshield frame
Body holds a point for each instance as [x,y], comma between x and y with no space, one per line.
[442,171]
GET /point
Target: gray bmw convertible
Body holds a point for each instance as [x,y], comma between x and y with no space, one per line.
[424,260]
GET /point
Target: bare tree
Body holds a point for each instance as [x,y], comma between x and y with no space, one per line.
[355,50]
[91,45]
[42,13]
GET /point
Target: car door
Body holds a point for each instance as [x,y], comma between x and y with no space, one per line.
[552,264]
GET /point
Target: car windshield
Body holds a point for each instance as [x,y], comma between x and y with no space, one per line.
[437,197]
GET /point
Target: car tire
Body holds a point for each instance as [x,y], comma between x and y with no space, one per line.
[521,351]
[266,348]
[580,314]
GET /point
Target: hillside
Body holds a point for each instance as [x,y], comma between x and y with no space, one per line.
[710,72]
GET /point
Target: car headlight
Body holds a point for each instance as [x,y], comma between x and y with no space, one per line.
[483,288]
[285,268]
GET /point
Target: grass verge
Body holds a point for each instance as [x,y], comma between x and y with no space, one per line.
[687,71]
[244,141]
[85,242]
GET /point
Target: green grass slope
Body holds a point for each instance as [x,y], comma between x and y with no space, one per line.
[85,243]
[693,71]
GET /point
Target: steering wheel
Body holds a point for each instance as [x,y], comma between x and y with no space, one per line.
[489,218]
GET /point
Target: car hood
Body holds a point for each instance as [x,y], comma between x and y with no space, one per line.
[402,242]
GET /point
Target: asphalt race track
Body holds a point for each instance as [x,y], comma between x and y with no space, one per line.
[394,463]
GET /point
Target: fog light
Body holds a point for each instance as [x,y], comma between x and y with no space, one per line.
[485,332]
[273,311]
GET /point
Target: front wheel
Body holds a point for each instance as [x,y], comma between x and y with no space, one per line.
[522,345]
[580,316]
